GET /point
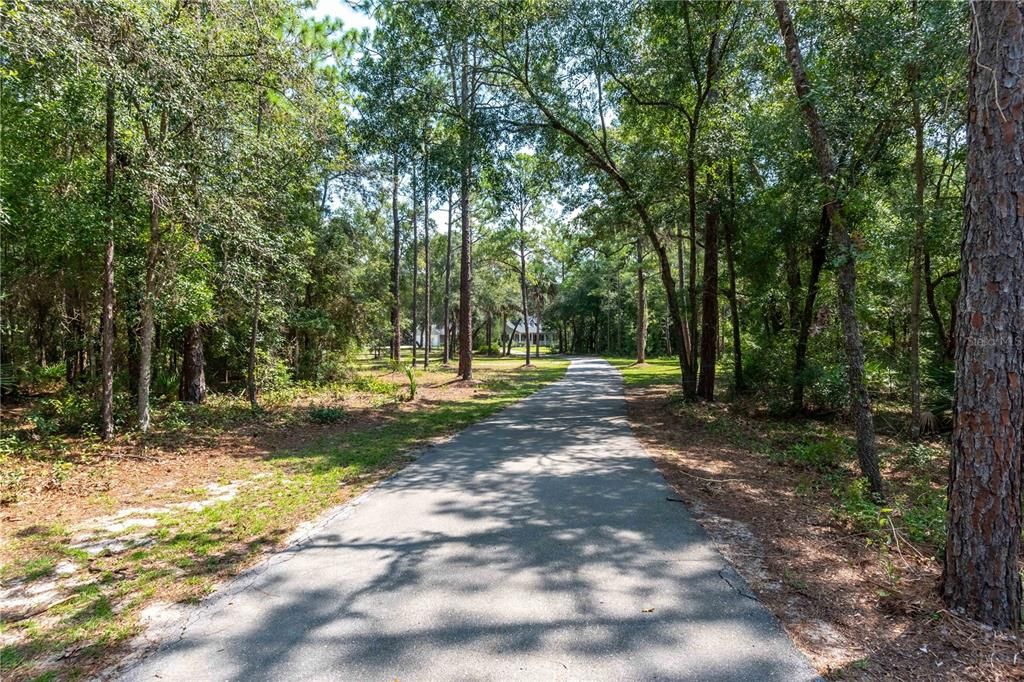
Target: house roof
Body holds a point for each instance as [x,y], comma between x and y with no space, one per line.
[534,324]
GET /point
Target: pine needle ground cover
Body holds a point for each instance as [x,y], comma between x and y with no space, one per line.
[854,582]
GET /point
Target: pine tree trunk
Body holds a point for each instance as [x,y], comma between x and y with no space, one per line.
[426,259]
[522,278]
[413,319]
[448,286]
[860,404]
[107,313]
[466,258]
[709,312]
[396,303]
[982,564]
[681,266]
[192,388]
[641,306]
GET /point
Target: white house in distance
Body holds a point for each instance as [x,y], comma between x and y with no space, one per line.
[538,337]
[436,336]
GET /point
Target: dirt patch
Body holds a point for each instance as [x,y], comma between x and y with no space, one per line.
[857,612]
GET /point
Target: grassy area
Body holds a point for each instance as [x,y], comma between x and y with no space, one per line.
[189,549]
[655,372]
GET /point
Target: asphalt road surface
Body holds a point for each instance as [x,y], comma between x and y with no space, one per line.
[535,545]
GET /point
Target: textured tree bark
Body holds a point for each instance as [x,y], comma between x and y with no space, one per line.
[192,388]
[149,294]
[641,306]
[709,308]
[413,320]
[396,302]
[466,258]
[982,573]
[681,266]
[448,286]
[107,312]
[426,258]
[860,404]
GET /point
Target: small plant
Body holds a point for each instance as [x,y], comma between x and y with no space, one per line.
[859,506]
[326,415]
[10,483]
[60,472]
[368,384]
[826,455]
[411,375]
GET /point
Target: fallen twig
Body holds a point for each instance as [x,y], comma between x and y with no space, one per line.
[713,480]
[131,455]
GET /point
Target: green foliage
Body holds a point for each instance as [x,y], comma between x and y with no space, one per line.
[373,385]
[828,388]
[938,382]
[273,375]
[827,455]
[68,413]
[326,415]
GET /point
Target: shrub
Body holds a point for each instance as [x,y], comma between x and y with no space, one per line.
[68,413]
[825,455]
[495,349]
[326,415]
[830,389]
[272,375]
[369,384]
[335,366]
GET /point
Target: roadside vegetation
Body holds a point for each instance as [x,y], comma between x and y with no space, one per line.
[165,518]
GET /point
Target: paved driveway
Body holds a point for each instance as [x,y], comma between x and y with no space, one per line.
[535,545]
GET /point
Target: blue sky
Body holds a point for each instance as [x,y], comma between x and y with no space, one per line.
[344,11]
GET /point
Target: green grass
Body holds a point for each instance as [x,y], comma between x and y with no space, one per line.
[655,372]
[192,550]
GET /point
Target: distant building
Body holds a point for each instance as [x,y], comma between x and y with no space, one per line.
[538,337]
[436,336]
